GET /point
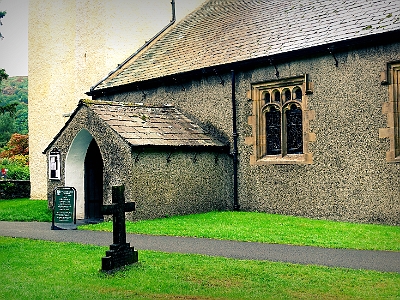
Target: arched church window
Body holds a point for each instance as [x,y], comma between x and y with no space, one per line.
[277,96]
[273,130]
[280,121]
[288,95]
[288,128]
[298,93]
[267,97]
[294,129]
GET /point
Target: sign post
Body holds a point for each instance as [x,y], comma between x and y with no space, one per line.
[64,208]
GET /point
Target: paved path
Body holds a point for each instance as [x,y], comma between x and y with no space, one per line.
[385,261]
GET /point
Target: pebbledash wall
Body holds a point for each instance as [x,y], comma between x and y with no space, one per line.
[162,183]
[348,179]
[189,183]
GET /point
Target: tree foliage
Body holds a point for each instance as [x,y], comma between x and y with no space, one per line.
[17,145]
[3,74]
[7,128]
[13,108]
[10,107]
[2,14]
[15,157]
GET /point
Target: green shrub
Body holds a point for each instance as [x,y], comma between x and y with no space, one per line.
[16,170]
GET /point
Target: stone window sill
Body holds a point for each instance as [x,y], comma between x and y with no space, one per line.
[290,159]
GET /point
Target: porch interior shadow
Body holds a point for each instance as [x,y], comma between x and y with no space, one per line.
[93,182]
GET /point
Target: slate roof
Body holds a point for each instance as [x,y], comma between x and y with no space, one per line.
[143,125]
[227,31]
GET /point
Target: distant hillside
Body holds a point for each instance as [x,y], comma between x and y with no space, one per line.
[14,90]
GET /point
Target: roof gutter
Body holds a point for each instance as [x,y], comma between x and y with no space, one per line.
[90,93]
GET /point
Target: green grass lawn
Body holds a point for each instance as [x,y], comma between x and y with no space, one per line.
[24,210]
[48,270]
[241,226]
[269,228]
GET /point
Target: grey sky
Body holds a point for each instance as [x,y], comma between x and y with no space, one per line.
[14,46]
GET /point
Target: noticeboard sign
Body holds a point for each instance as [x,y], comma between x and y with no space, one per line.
[55,164]
[64,205]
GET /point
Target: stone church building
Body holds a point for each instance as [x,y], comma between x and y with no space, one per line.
[287,107]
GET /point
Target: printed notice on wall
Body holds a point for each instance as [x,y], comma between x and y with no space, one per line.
[64,207]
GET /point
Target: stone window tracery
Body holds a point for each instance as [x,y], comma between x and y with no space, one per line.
[280,122]
[391,108]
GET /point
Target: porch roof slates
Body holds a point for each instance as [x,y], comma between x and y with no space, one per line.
[152,126]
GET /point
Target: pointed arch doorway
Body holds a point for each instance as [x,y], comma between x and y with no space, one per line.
[93,182]
[84,172]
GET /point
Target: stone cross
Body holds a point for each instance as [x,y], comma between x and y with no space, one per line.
[118,209]
[120,253]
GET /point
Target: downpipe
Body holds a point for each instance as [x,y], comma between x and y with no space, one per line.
[234,153]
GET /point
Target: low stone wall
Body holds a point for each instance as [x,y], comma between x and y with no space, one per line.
[10,189]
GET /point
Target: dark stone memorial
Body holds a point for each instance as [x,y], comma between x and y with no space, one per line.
[64,214]
[120,253]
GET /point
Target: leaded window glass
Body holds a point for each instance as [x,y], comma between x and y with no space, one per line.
[273,122]
[277,95]
[283,120]
[298,94]
[288,95]
[267,97]
[294,130]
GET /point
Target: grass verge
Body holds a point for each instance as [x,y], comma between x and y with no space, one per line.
[269,228]
[24,210]
[48,270]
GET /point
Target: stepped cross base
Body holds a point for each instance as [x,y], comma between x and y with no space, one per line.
[118,256]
